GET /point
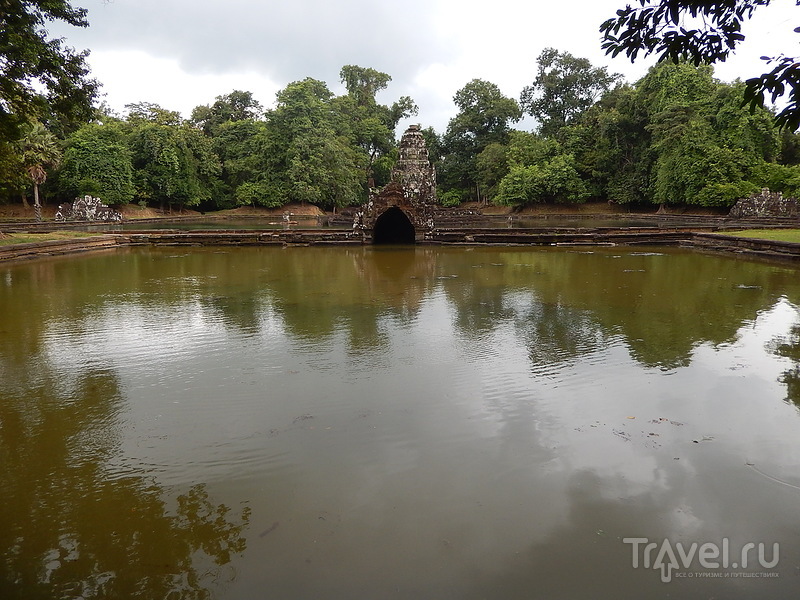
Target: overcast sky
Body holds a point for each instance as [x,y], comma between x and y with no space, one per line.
[181,53]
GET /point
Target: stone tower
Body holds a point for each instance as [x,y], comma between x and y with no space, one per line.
[413,170]
[403,210]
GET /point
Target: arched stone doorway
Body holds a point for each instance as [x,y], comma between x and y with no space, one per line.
[393,227]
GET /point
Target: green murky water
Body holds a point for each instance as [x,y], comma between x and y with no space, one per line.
[398,423]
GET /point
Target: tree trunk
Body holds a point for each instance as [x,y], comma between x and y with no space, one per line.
[37,208]
[25,200]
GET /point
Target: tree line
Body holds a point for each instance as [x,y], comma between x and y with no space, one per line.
[677,136]
[313,146]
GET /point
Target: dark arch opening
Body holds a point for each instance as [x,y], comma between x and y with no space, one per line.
[393,227]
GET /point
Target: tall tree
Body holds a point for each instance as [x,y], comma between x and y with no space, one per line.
[323,170]
[485,116]
[704,142]
[613,146]
[703,32]
[150,112]
[233,123]
[40,75]
[39,150]
[363,83]
[564,87]
[370,125]
[97,161]
[239,147]
[491,166]
[303,153]
[236,106]
[539,171]
[13,179]
[678,136]
[173,162]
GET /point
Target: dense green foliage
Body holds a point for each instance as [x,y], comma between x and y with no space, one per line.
[678,136]
[44,92]
[564,87]
[97,161]
[485,116]
[312,146]
[540,171]
[703,33]
[40,78]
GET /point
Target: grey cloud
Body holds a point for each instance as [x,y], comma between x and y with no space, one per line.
[282,40]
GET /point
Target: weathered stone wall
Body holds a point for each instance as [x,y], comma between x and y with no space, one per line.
[766,204]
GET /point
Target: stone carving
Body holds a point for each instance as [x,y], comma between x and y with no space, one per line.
[87,209]
[766,204]
[412,188]
[413,170]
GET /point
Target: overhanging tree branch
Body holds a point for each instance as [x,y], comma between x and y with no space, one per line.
[703,31]
[31,61]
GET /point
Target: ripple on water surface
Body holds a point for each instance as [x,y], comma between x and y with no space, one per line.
[537,408]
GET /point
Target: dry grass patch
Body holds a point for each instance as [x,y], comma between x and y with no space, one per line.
[777,235]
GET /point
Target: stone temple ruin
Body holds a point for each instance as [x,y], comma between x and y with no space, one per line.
[86,209]
[766,204]
[403,210]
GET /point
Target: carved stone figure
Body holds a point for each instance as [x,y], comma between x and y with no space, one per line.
[87,209]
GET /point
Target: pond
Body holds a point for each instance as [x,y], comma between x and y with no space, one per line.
[389,422]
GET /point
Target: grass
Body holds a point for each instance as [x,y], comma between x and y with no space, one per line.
[8,239]
[778,235]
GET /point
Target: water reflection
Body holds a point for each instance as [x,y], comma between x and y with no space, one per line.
[69,527]
[788,346]
[393,422]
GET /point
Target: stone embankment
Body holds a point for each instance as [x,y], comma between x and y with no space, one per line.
[770,249]
[57,247]
[631,236]
[298,237]
[561,236]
